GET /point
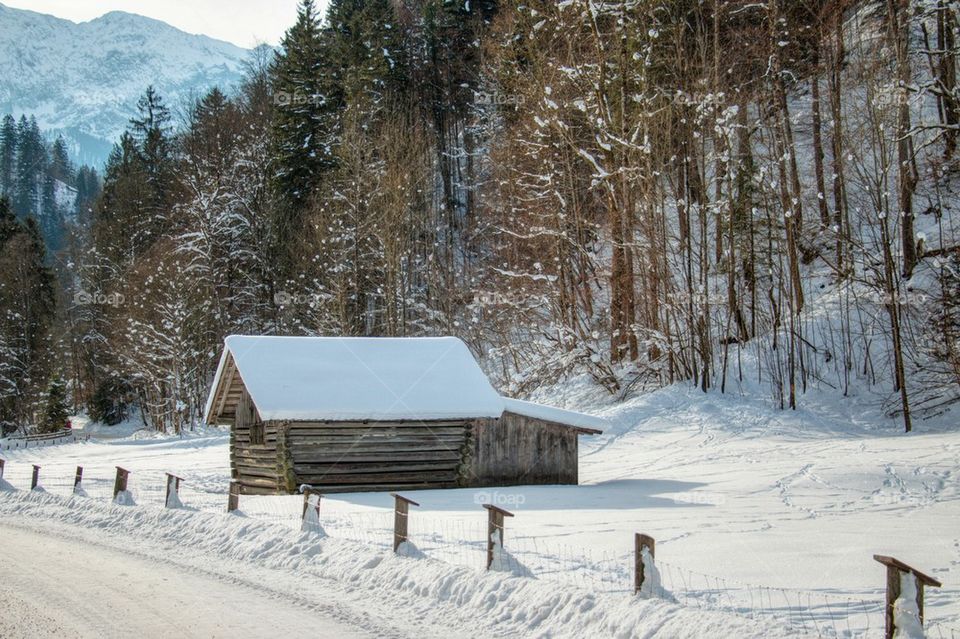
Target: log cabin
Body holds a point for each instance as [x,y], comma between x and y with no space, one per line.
[372,414]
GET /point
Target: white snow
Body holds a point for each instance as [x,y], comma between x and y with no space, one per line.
[906,613]
[124,498]
[369,588]
[305,378]
[503,561]
[771,513]
[173,499]
[311,517]
[551,414]
[356,378]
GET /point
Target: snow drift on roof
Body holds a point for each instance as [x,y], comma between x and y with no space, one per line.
[551,414]
[337,379]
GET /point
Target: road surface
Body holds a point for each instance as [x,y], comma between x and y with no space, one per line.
[54,587]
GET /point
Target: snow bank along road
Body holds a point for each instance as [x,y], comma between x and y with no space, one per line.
[56,587]
[208,574]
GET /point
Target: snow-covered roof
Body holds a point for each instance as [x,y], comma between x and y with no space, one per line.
[551,414]
[359,378]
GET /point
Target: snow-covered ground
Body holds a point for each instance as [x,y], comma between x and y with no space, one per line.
[756,512]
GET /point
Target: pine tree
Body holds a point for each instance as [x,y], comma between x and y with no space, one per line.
[8,155]
[121,232]
[56,412]
[31,164]
[27,311]
[59,175]
[305,98]
[88,190]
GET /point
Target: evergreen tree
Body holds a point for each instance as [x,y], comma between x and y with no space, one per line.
[31,164]
[368,48]
[8,155]
[27,312]
[56,412]
[152,132]
[305,99]
[59,177]
[88,190]
[120,230]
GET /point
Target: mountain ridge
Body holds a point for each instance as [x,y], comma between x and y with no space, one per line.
[82,80]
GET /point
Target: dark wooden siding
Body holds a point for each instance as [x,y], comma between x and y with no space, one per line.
[516,450]
[378,456]
[355,456]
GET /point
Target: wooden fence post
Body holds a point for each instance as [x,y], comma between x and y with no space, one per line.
[896,568]
[120,483]
[78,478]
[401,515]
[173,486]
[494,529]
[2,462]
[233,499]
[639,543]
[35,480]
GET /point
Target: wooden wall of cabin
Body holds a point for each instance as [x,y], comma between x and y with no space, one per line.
[516,450]
[356,456]
[253,464]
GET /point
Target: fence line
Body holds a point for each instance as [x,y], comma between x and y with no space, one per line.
[35,441]
[462,542]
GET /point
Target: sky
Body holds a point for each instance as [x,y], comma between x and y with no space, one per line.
[243,22]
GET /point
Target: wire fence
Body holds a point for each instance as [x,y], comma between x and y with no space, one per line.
[463,542]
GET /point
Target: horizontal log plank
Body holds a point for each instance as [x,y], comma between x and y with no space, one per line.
[374,433]
[370,468]
[336,457]
[266,472]
[397,448]
[257,482]
[258,490]
[413,438]
[387,478]
[296,426]
[397,486]
[256,458]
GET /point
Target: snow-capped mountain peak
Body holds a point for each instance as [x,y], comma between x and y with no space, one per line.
[84,79]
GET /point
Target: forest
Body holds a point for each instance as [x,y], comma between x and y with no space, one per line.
[728,193]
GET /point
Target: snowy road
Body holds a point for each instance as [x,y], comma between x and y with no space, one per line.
[53,587]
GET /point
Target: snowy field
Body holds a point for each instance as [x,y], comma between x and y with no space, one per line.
[757,513]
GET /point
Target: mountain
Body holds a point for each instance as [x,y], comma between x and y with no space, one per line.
[83,80]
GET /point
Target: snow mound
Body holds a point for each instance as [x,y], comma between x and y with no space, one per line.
[906,613]
[503,561]
[173,500]
[652,582]
[124,498]
[311,517]
[6,486]
[409,549]
[291,563]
